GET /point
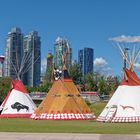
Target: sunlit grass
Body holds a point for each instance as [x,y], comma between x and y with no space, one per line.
[81,126]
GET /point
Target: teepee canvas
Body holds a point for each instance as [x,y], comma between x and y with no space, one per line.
[17,103]
[63,101]
[124,106]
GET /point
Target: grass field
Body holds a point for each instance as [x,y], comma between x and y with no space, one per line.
[86,126]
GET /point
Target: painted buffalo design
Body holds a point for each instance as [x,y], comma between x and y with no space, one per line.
[19,106]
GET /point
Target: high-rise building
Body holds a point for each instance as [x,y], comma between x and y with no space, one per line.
[32,47]
[13,53]
[85,60]
[62,47]
[49,67]
[2,58]
[49,61]
[81,61]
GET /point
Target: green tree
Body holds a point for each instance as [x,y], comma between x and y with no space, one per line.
[49,74]
[90,83]
[75,74]
[107,85]
[4,87]
[41,88]
[102,85]
[113,83]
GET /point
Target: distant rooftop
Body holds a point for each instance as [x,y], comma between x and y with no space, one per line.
[15,30]
[50,55]
[2,57]
[62,41]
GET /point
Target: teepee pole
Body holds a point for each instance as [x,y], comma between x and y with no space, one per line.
[26,59]
[133,52]
[132,63]
[29,66]
[123,54]
[14,68]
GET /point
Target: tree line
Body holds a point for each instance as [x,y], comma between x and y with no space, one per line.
[102,84]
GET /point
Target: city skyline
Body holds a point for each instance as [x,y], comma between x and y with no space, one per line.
[62,52]
[14,53]
[32,46]
[85,60]
[23,57]
[85,23]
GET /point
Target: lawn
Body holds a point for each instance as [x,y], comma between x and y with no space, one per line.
[85,126]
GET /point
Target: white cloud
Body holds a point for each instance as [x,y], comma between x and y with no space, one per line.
[124,38]
[43,65]
[99,62]
[101,66]
[137,66]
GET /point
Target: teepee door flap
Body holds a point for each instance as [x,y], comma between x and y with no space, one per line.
[112,111]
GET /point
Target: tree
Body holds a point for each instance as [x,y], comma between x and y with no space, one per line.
[113,82]
[41,88]
[102,85]
[75,73]
[90,82]
[4,87]
[49,74]
[107,85]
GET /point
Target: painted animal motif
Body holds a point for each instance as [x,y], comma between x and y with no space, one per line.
[19,106]
[124,107]
[57,74]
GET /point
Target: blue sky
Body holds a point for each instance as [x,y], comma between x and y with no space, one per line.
[85,23]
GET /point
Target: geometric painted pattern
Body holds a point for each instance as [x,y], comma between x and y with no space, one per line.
[64,116]
[119,119]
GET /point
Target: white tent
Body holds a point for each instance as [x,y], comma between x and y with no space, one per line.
[18,103]
[124,106]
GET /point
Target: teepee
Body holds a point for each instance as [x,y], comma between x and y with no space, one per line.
[63,101]
[124,106]
[18,103]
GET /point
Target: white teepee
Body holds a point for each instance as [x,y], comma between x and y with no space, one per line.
[18,103]
[124,106]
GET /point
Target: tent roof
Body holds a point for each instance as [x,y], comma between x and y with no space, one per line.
[18,85]
[17,103]
[130,78]
[63,98]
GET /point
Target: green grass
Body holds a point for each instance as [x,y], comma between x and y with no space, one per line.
[97,108]
[44,126]
[85,126]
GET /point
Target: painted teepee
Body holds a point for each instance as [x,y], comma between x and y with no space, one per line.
[124,106]
[18,103]
[63,101]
